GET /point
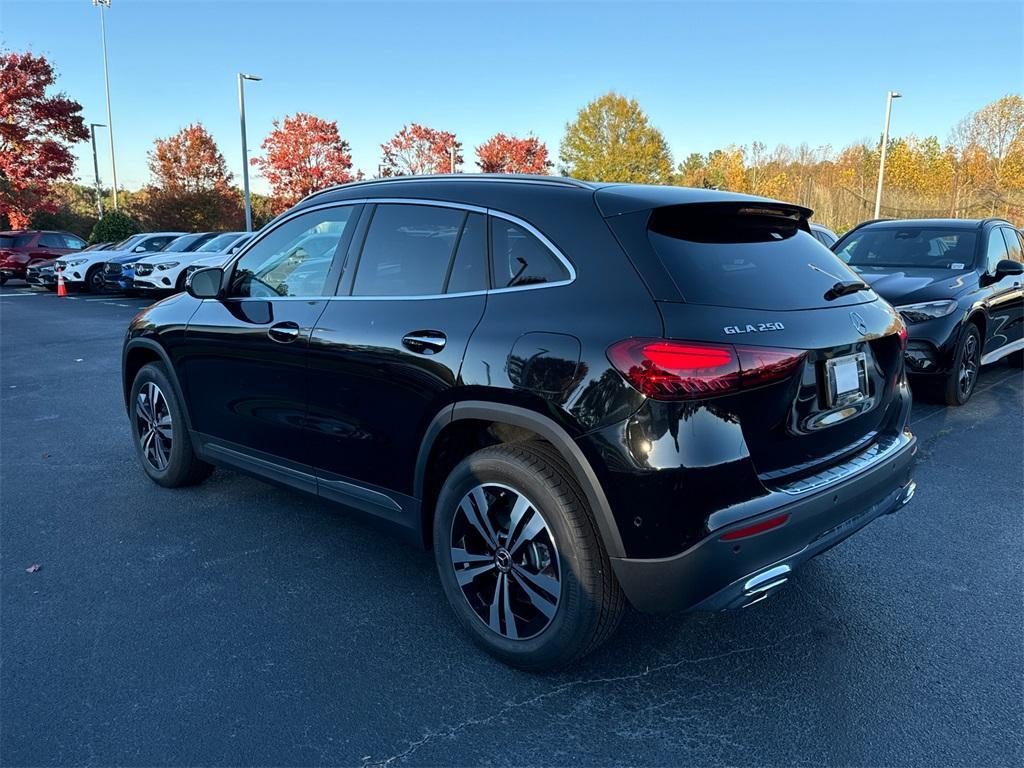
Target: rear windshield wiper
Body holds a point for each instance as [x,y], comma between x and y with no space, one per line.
[845,288]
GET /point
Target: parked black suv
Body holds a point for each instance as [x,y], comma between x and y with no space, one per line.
[957,283]
[578,394]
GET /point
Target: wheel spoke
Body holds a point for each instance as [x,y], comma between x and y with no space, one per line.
[519,510]
[538,601]
[466,575]
[494,617]
[480,498]
[540,581]
[461,557]
[140,408]
[532,527]
[511,630]
[469,510]
[164,427]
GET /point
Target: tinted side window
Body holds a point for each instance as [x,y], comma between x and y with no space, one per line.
[520,259]
[469,270]
[294,258]
[1013,247]
[158,243]
[51,241]
[74,243]
[996,250]
[407,251]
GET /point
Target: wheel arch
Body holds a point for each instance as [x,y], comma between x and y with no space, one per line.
[462,415]
[139,352]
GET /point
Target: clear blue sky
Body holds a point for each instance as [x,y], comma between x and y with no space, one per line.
[708,74]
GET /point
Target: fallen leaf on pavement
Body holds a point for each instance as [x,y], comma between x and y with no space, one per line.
[33,568]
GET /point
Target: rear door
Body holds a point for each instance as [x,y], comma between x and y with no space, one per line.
[386,353]
[244,360]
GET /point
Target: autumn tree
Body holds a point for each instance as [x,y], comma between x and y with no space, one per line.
[612,140]
[191,184]
[417,149]
[510,154]
[304,154]
[36,134]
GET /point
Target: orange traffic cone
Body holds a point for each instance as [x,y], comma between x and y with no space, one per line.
[61,290]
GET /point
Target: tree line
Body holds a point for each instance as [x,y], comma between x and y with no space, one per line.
[977,171]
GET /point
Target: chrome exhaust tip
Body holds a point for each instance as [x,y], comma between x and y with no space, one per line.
[761,586]
[908,493]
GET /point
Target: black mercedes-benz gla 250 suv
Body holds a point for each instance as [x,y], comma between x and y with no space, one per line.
[579,395]
[958,285]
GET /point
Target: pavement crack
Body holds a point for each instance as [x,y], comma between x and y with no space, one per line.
[453,730]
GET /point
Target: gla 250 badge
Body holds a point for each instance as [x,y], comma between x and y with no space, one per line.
[755,328]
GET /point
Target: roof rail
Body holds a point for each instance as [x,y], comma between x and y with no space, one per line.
[508,178]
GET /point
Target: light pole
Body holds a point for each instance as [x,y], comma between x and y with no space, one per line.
[245,150]
[106,84]
[96,167]
[885,145]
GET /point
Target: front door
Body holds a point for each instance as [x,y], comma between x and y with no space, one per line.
[385,355]
[244,358]
[1004,303]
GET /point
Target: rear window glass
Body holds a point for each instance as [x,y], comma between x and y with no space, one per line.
[747,257]
[15,241]
[909,247]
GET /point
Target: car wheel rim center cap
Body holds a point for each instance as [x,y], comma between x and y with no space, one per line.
[503,559]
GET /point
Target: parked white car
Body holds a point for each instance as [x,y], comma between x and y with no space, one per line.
[220,258]
[85,268]
[165,271]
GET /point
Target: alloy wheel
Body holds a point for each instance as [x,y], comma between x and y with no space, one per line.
[505,561]
[154,425]
[969,365]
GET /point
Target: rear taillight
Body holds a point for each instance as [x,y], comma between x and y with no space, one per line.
[903,335]
[664,369]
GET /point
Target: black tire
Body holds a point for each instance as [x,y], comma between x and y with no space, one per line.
[94,279]
[590,603]
[963,375]
[181,467]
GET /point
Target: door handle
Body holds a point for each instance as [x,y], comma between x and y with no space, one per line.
[285,332]
[424,342]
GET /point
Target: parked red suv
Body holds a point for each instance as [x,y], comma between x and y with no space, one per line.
[20,249]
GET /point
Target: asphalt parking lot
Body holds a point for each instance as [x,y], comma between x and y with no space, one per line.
[236,623]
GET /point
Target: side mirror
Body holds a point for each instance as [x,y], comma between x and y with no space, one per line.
[139,249]
[205,283]
[1007,267]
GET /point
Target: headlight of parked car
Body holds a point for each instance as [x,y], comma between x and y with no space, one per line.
[167,265]
[73,262]
[928,310]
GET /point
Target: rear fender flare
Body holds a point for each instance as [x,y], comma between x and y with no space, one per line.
[549,430]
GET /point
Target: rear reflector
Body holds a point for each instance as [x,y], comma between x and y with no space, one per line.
[665,369]
[756,528]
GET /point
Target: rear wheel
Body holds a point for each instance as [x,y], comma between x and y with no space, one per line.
[161,438]
[521,560]
[963,376]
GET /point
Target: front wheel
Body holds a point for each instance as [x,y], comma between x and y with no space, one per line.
[963,377]
[161,438]
[521,560]
[94,279]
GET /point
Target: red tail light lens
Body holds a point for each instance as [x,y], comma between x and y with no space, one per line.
[663,369]
[756,528]
[903,335]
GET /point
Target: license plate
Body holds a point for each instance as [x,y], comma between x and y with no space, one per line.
[847,379]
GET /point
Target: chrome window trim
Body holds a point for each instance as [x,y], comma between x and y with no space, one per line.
[257,237]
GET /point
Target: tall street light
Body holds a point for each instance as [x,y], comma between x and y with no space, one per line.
[245,150]
[885,145]
[96,167]
[106,84]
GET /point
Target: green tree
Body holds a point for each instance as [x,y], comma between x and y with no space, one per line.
[612,140]
[114,226]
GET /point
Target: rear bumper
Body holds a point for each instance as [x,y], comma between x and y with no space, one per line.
[715,575]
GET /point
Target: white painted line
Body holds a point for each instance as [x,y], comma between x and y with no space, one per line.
[20,293]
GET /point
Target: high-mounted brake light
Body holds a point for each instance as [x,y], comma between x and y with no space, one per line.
[664,369]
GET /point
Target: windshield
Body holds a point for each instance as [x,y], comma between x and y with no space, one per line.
[15,241]
[219,243]
[127,243]
[183,243]
[908,247]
